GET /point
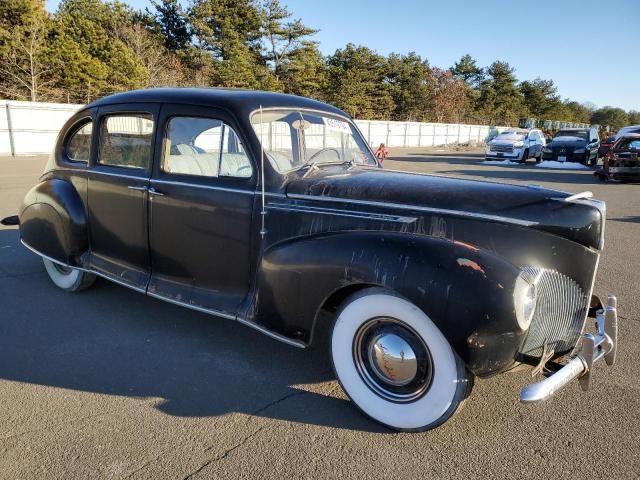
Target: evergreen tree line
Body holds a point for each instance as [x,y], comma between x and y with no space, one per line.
[90,48]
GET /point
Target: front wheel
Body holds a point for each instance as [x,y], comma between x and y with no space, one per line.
[525,155]
[66,278]
[395,364]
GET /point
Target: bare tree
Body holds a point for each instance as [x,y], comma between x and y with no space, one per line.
[24,68]
[163,68]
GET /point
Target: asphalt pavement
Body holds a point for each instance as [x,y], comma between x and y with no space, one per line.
[110,383]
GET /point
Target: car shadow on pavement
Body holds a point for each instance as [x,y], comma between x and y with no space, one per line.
[526,175]
[112,340]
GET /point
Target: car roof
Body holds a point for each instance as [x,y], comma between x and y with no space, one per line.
[629,135]
[232,99]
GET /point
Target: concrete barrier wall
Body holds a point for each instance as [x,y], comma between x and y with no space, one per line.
[30,128]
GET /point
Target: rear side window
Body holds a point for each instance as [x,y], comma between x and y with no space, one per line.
[125,140]
[78,145]
[204,147]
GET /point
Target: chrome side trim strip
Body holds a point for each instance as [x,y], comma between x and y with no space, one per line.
[193,307]
[419,208]
[269,333]
[341,213]
[93,272]
[197,185]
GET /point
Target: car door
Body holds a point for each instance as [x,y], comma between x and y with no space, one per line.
[117,193]
[201,206]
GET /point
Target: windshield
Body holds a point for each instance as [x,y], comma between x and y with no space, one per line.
[292,139]
[582,134]
[512,136]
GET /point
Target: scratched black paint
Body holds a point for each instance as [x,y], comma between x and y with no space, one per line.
[452,247]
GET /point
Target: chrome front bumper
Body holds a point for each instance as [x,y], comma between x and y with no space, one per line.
[596,346]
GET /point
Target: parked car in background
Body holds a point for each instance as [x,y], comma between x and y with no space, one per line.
[573,145]
[516,145]
[271,210]
[627,130]
[621,163]
[605,145]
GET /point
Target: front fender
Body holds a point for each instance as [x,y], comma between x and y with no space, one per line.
[53,221]
[467,292]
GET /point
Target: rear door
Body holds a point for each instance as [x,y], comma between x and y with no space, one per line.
[117,193]
[201,207]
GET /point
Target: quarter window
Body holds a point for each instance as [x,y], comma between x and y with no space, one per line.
[204,147]
[125,140]
[78,147]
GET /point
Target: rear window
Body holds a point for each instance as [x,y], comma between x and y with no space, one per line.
[125,140]
[78,144]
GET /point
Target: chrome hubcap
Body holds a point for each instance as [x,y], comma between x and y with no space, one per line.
[392,359]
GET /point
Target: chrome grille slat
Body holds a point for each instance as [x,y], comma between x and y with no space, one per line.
[501,148]
[560,314]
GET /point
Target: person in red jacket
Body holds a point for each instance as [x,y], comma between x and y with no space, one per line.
[381,153]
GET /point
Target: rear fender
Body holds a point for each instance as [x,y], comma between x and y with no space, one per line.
[53,221]
[467,292]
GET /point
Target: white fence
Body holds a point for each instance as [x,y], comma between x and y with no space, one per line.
[29,128]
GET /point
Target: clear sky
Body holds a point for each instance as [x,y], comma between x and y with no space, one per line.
[589,48]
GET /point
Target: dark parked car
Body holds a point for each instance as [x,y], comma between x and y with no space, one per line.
[573,145]
[621,162]
[605,145]
[269,209]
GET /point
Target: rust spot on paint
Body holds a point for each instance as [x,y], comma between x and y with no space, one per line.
[465,262]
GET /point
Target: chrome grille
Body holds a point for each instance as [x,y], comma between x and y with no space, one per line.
[560,315]
[502,148]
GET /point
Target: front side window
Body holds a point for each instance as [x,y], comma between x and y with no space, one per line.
[293,139]
[125,140]
[204,147]
[78,145]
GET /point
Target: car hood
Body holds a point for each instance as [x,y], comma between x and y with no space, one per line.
[529,206]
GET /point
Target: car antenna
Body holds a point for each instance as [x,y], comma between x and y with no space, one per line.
[263,213]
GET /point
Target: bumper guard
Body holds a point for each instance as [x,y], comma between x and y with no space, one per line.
[596,346]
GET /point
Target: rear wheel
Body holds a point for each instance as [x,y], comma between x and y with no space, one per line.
[395,364]
[66,278]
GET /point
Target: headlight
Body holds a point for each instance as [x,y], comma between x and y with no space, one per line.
[579,150]
[547,150]
[518,145]
[524,300]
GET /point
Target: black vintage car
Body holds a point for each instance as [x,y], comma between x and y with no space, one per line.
[270,209]
[573,145]
[621,163]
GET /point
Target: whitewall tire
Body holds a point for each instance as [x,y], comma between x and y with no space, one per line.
[66,278]
[394,363]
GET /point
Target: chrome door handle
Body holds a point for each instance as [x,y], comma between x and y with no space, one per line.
[153,191]
[135,187]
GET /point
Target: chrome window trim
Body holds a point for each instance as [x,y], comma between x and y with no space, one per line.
[144,175]
[418,208]
[341,213]
[206,187]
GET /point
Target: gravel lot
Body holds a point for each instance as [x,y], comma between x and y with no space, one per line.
[112,384]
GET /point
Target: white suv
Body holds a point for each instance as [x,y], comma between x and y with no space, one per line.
[516,145]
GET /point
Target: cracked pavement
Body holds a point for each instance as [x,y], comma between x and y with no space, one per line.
[112,384]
